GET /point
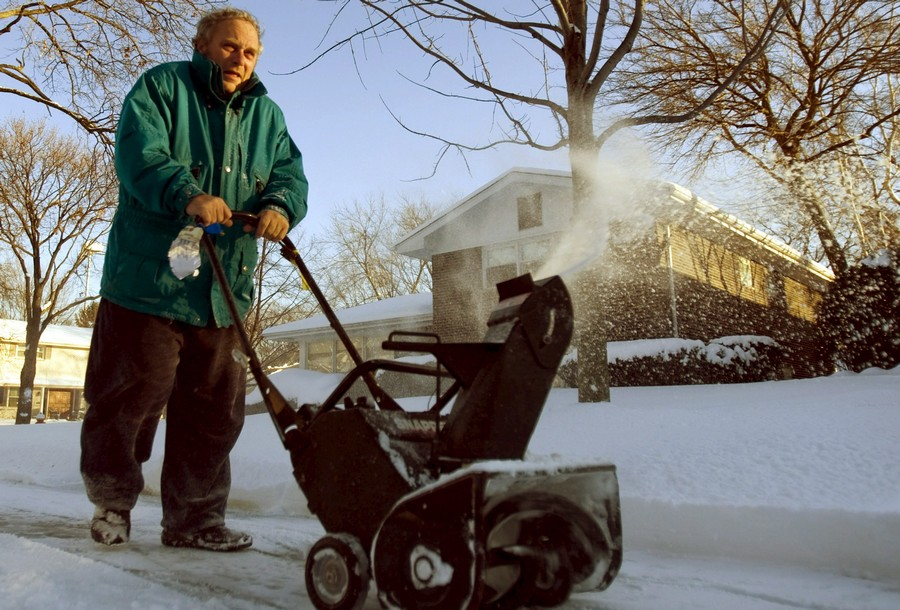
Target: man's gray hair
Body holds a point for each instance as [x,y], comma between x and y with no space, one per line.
[213,18]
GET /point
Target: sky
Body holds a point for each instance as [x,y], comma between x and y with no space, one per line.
[765,496]
[337,111]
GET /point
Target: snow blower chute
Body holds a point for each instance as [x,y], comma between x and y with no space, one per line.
[438,508]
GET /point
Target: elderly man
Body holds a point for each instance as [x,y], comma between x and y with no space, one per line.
[196,140]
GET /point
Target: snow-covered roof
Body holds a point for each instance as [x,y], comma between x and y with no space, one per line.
[406,310]
[13,331]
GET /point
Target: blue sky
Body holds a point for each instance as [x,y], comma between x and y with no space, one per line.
[336,113]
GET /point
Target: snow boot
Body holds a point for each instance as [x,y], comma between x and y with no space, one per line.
[110,527]
[215,538]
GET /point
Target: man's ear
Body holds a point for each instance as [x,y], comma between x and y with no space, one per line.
[201,45]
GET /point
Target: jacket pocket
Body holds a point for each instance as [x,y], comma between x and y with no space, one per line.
[244,286]
[137,278]
[142,263]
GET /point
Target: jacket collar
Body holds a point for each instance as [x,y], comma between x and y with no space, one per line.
[209,75]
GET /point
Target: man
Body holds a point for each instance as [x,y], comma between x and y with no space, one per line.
[195,141]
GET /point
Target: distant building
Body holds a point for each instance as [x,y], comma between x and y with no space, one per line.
[61,364]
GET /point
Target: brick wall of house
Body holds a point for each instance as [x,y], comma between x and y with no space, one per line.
[639,307]
[635,290]
[461,304]
[707,313]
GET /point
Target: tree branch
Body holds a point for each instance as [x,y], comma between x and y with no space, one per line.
[762,42]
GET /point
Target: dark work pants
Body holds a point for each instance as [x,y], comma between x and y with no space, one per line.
[138,365]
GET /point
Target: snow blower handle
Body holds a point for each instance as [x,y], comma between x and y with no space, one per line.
[290,252]
[286,420]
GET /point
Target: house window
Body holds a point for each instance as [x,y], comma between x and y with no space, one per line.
[511,260]
[320,356]
[802,301]
[59,403]
[717,266]
[500,264]
[530,211]
[342,360]
[374,349]
[533,255]
[12,398]
[20,351]
[745,272]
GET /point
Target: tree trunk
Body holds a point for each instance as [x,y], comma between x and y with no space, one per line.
[807,195]
[591,338]
[590,320]
[28,373]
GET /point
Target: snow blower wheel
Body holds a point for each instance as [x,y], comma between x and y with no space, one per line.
[337,573]
[423,566]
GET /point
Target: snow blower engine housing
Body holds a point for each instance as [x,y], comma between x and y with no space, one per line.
[439,507]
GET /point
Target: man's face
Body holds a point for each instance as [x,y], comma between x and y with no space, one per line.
[234,46]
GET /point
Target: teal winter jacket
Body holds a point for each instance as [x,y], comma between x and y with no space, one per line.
[178,136]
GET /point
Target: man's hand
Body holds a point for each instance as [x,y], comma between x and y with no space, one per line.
[272,225]
[209,210]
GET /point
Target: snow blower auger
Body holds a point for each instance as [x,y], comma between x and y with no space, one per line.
[439,507]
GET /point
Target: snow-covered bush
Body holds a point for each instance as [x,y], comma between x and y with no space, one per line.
[860,315]
[650,362]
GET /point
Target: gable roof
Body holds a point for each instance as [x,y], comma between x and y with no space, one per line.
[735,225]
[13,331]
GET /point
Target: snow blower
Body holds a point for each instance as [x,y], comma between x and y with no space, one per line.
[439,508]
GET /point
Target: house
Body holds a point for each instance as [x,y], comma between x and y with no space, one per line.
[674,266]
[59,381]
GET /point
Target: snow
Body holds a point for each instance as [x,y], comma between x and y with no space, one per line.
[782,494]
[882,258]
[722,350]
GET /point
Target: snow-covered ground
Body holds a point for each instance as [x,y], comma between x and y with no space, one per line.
[759,496]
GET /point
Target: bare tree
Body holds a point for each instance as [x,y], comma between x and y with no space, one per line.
[279,298]
[363,266]
[55,200]
[77,57]
[876,174]
[816,111]
[573,47]
[352,262]
[11,290]
[86,317]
